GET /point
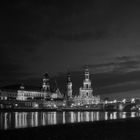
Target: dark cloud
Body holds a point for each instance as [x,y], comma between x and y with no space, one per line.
[118,64]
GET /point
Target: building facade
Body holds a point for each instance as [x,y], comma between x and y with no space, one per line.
[86,92]
[43,93]
[69,87]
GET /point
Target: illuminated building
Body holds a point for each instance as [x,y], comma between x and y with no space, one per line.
[86,92]
[44,93]
[8,94]
[69,86]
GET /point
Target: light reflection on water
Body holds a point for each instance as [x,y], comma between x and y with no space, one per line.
[11,120]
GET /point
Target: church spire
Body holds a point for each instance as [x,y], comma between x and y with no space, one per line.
[46,83]
[69,86]
[86,73]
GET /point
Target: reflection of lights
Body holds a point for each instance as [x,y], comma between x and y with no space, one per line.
[5,121]
[78,116]
[32,119]
[52,118]
[87,116]
[123,115]
[97,116]
[133,114]
[36,118]
[106,115]
[114,115]
[111,116]
[16,119]
[72,117]
[82,117]
[92,116]
[64,119]
[43,119]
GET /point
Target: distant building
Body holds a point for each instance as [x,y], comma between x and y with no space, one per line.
[69,87]
[8,94]
[44,93]
[45,96]
[86,92]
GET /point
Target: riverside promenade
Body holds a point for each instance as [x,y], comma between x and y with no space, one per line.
[122,129]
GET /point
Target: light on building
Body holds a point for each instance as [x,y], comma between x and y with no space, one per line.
[106,102]
[124,101]
[36,105]
[115,101]
[78,103]
[133,100]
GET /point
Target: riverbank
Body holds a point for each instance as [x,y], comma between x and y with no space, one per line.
[122,129]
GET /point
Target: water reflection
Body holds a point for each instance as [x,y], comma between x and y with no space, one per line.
[10,120]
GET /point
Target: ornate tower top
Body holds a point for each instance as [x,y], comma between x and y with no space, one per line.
[86,73]
[69,86]
[46,84]
[86,82]
[68,78]
[22,86]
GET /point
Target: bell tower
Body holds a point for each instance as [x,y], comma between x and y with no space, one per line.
[69,86]
[46,83]
[86,89]
[86,82]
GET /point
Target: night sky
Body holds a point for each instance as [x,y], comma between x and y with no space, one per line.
[57,36]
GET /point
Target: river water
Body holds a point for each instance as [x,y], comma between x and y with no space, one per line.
[12,120]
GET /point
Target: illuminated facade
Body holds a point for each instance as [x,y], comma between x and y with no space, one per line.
[69,86]
[86,92]
[44,93]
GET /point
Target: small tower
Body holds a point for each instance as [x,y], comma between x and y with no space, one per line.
[22,87]
[46,83]
[69,86]
[86,90]
[87,82]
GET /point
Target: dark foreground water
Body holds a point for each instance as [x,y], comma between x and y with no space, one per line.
[11,120]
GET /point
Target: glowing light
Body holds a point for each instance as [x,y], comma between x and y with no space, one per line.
[36,105]
[133,100]
[124,101]
[115,101]
[106,115]
[133,114]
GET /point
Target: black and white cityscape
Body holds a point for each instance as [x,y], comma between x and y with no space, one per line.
[70,69]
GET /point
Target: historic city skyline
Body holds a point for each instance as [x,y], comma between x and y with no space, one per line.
[54,37]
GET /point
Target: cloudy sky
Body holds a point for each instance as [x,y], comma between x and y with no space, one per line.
[57,36]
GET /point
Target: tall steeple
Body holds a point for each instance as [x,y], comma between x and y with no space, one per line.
[69,86]
[86,73]
[87,82]
[46,83]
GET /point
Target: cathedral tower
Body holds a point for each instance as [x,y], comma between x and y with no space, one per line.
[69,86]
[86,82]
[86,90]
[46,83]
